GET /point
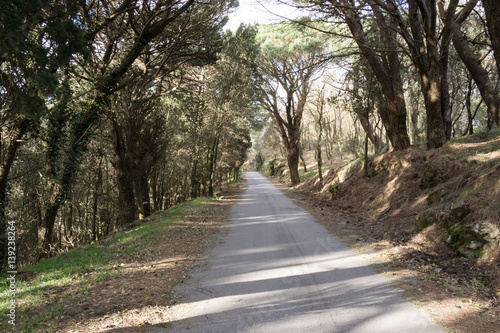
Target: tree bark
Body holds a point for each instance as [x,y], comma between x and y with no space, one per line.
[126,198]
[97,190]
[195,184]
[492,11]
[7,159]
[301,155]
[478,72]
[387,74]
[48,222]
[426,57]
[375,139]
[293,164]
[212,166]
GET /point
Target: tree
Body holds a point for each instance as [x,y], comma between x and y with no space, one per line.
[289,61]
[380,49]
[139,25]
[492,10]
[365,96]
[37,41]
[231,91]
[138,117]
[419,31]
[471,61]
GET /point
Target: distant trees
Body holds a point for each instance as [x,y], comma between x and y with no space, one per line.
[387,31]
[288,64]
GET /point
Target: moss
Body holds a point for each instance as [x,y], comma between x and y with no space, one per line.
[425,220]
[479,253]
[334,190]
[275,168]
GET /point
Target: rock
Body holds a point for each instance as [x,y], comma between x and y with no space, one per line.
[474,245]
[486,229]
[459,213]
[466,252]
[85,305]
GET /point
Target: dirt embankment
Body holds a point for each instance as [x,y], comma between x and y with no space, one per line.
[430,219]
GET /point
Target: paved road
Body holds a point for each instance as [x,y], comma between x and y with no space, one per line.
[277,270]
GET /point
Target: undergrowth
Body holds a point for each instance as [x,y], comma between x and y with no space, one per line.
[38,297]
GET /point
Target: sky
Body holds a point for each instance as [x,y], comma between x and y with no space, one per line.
[251,11]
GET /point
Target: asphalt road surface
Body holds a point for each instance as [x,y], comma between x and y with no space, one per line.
[277,270]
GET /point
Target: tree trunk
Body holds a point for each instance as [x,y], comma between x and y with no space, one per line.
[436,136]
[301,155]
[446,110]
[48,222]
[479,74]
[7,159]
[426,57]
[195,184]
[97,190]
[492,11]
[126,198]
[69,221]
[141,193]
[470,127]
[375,139]
[293,164]
[212,167]
[146,198]
[319,159]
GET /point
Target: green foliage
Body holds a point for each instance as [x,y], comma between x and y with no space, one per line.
[259,161]
[275,168]
[285,40]
[309,174]
[334,190]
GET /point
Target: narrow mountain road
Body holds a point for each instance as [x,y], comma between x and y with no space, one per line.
[277,270]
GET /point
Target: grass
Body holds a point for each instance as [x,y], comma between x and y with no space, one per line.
[313,172]
[309,174]
[468,191]
[479,136]
[39,300]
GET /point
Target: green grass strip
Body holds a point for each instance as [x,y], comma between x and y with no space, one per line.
[35,307]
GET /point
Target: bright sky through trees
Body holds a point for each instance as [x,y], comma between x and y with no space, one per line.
[260,11]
